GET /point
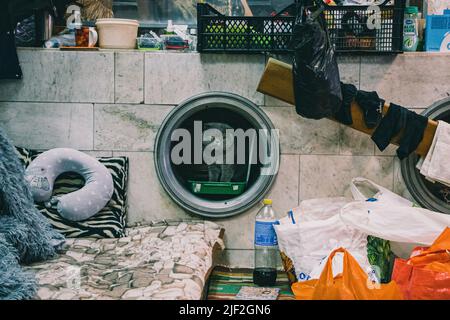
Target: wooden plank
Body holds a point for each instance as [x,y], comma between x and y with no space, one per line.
[276,81]
[63,48]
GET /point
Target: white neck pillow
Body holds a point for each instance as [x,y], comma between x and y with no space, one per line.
[78,205]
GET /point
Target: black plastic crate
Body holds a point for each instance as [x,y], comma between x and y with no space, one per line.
[347,26]
[219,33]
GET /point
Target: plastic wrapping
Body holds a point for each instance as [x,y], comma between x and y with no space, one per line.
[317,87]
[426,274]
[64,39]
[26,32]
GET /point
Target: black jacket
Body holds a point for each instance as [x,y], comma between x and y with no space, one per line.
[9,63]
[11,12]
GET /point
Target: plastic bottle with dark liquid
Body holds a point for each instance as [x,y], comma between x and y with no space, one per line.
[266,246]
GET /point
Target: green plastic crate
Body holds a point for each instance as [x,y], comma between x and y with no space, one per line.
[220,188]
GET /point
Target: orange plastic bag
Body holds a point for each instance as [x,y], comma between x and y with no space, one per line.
[426,275]
[352,284]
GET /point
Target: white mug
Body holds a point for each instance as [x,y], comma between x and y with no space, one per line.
[86,37]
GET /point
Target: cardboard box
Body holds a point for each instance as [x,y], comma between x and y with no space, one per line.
[437,32]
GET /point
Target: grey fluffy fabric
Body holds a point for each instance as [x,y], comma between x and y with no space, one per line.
[15,284]
[25,234]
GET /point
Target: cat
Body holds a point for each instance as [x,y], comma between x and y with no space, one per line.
[220,172]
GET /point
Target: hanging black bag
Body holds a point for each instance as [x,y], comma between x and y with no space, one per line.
[317,87]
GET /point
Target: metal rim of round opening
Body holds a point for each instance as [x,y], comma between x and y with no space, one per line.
[414,181]
[163,165]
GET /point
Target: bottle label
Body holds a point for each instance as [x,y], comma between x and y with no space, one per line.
[265,233]
[409,27]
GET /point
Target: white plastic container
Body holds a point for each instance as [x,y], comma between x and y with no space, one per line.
[117,33]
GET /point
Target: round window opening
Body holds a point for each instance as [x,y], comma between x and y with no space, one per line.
[216,154]
[433,196]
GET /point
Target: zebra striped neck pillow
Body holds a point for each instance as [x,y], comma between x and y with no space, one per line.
[110,222]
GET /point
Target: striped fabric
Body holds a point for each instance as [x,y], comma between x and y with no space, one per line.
[225,283]
[109,222]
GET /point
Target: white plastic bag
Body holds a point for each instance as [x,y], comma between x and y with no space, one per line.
[288,236]
[315,209]
[363,189]
[313,231]
[395,223]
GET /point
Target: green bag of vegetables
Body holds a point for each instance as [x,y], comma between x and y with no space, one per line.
[379,254]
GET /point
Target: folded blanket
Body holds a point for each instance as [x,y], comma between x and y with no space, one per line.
[435,166]
[25,234]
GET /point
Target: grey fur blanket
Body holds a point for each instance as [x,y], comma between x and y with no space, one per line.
[25,234]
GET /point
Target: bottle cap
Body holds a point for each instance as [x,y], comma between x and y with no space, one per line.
[411,10]
[267,201]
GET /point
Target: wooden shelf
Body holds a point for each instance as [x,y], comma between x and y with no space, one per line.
[79,48]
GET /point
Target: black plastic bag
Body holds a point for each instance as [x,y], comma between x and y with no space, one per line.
[317,87]
[9,62]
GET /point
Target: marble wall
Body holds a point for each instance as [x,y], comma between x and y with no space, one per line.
[112,103]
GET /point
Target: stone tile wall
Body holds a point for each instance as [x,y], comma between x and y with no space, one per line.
[113,102]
